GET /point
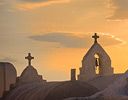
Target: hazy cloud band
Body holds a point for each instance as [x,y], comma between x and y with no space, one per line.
[76,41]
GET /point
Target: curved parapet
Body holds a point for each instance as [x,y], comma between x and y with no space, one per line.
[8,76]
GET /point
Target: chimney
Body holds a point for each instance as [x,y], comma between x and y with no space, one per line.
[73,74]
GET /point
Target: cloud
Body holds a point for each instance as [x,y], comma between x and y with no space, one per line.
[35,1]
[32,4]
[7,59]
[1,3]
[76,41]
[120,9]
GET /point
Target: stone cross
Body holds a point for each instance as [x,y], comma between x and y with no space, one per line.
[29,57]
[95,37]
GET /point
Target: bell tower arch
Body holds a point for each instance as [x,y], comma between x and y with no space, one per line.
[96,63]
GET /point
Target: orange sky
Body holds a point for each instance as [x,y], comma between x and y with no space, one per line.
[58,33]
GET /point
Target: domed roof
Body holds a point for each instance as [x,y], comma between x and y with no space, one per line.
[51,91]
[71,89]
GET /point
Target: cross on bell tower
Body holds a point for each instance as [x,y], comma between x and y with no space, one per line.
[29,57]
[95,37]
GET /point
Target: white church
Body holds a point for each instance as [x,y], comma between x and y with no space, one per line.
[96,81]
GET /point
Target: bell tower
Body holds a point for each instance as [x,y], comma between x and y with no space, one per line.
[91,63]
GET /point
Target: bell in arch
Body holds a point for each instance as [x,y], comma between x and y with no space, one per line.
[97,63]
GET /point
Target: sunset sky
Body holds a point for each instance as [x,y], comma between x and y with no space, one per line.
[58,33]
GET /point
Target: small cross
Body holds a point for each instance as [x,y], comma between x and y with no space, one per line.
[29,57]
[95,37]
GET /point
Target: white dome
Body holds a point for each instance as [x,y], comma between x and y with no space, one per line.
[51,91]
